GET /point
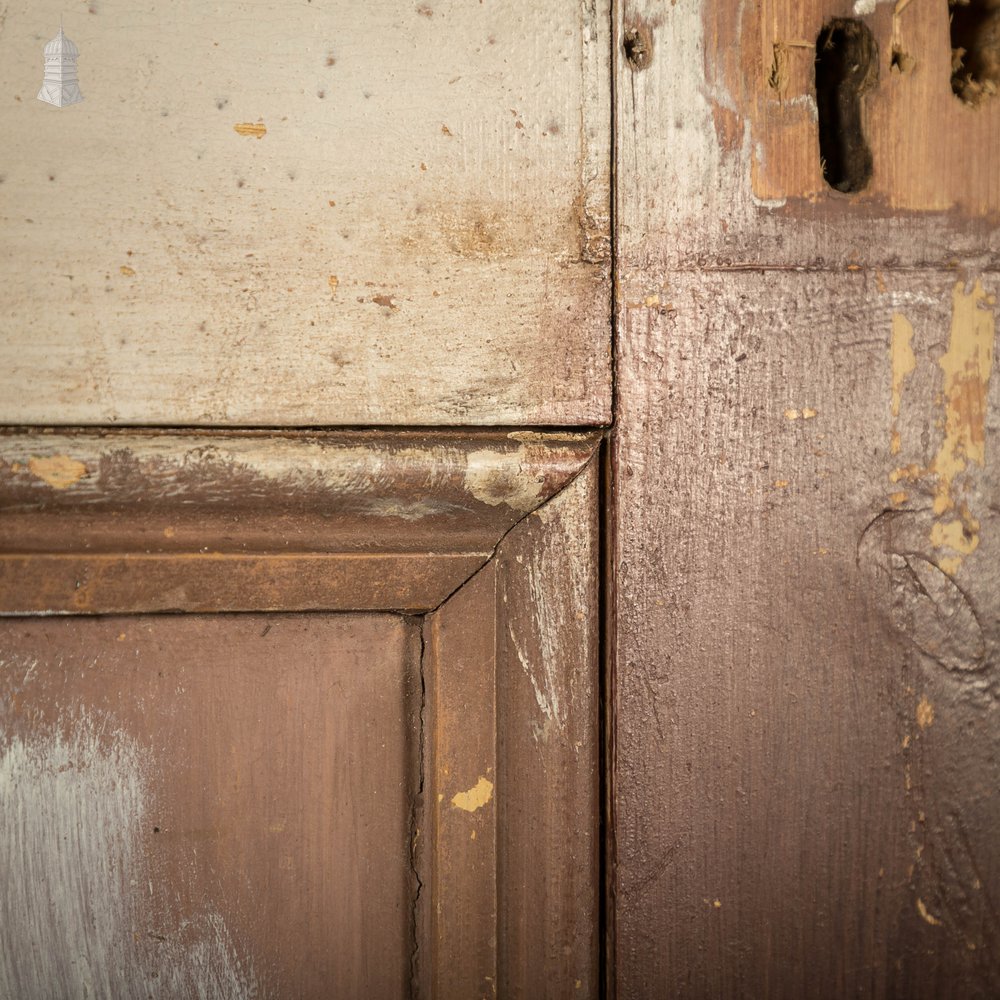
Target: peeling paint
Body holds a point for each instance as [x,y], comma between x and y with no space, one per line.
[495,478]
[476,797]
[59,471]
[926,914]
[256,130]
[925,713]
[966,367]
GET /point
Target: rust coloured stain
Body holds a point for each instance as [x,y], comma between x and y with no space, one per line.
[59,471]
[257,131]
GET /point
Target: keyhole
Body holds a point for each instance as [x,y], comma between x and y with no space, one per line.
[846,69]
[975,49]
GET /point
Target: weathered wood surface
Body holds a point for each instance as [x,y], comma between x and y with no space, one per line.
[806,546]
[510,814]
[297,213]
[210,806]
[125,521]
[718,153]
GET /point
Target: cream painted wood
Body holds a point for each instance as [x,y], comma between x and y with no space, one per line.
[303,213]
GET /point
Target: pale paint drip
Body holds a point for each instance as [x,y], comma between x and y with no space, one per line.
[59,471]
[903,363]
[476,797]
[496,478]
[72,805]
[966,366]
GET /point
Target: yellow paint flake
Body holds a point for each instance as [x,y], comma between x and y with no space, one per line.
[333,281]
[169,532]
[59,471]
[257,130]
[908,473]
[926,914]
[808,413]
[925,712]
[899,497]
[781,484]
[126,270]
[717,903]
[476,797]
[792,414]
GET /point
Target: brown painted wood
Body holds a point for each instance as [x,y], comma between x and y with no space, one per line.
[805,778]
[490,755]
[207,805]
[103,522]
[511,803]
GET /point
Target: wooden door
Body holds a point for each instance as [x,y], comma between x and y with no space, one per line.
[290,711]
[807,783]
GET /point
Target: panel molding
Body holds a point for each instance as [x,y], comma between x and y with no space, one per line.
[129,522]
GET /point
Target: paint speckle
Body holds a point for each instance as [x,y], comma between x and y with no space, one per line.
[126,270]
[781,484]
[476,797]
[257,130]
[926,914]
[333,281]
[59,471]
[925,712]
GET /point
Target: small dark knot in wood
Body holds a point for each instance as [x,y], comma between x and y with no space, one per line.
[638,45]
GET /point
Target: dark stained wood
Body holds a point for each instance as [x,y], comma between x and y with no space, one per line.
[105,522]
[510,865]
[208,805]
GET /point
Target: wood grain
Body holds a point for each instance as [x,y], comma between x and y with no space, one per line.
[130,522]
[799,644]
[207,805]
[293,213]
[718,151]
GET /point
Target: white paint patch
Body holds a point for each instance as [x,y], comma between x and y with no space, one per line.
[496,478]
[72,806]
[558,581]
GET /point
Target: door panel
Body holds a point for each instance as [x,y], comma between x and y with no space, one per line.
[208,805]
[291,213]
[302,792]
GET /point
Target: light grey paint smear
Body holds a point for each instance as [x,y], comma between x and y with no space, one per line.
[72,805]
